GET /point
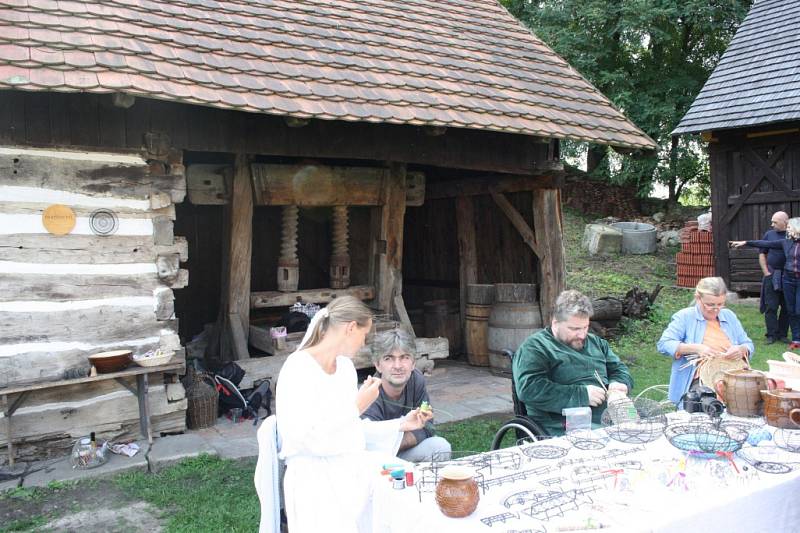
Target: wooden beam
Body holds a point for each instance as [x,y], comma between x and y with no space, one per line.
[467,253]
[317,185]
[517,220]
[263,299]
[388,242]
[498,182]
[547,221]
[241,234]
[774,197]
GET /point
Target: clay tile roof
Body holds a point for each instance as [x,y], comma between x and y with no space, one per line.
[355,60]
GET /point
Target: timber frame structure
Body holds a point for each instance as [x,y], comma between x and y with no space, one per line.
[749,114]
[246,166]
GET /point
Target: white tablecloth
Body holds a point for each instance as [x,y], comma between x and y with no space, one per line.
[649,488]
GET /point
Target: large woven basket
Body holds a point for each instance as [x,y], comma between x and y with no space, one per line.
[202,397]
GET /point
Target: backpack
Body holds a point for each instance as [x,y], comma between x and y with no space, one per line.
[231,397]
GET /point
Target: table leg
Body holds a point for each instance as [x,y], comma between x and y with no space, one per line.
[142,386]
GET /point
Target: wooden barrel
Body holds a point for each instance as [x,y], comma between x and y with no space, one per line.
[443,319]
[513,318]
[476,334]
[480,294]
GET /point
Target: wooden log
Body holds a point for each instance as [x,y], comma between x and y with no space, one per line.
[317,185]
[68,287]
[167,267]
[499,183]
[163,233]
[264,299]
[467,255]
[549,237]
[94,174]
[92,249]
[415,189]
[165,306]
[206,184]
[606,309]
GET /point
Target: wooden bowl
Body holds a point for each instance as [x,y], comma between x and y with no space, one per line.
[114,361]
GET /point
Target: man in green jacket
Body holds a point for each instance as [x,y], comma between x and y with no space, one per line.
[555,367]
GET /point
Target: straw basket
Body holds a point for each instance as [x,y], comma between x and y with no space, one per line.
[202,397]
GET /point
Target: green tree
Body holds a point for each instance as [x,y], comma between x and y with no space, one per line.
[651,58]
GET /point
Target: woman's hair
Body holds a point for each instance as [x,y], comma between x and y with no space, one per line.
[711,287]
[397,339]
[793,228]
[571,303]
[342,310]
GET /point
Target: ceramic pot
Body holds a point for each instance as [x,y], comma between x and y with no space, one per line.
[740,390]
[782,408]
[457,492]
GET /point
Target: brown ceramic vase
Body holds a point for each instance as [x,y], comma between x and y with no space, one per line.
[457,492]
[782,408]
[741,391]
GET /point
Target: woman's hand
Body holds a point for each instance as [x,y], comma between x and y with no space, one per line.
[736,352]
[416,419]
[367,393]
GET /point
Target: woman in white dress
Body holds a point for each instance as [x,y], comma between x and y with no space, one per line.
[329,472]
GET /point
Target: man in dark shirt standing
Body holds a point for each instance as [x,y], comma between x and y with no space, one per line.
[403,389]
[771,261]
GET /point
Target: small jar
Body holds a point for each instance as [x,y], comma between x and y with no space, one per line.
[457,491]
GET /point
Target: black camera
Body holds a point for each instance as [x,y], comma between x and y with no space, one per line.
[702,400]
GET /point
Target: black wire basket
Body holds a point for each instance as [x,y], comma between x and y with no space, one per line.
[634,421]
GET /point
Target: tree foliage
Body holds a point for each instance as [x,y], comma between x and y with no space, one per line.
[651,58]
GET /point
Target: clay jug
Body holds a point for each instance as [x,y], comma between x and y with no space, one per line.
[457,491]
[782,408]
[740,390]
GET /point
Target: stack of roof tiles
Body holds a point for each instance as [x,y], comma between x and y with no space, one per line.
[465,64]
[696,258]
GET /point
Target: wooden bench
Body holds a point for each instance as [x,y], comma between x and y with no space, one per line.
[14,397]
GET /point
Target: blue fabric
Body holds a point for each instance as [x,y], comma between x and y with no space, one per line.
[791,295]
[689,327]
[776,313]
[791,252]
[775,257]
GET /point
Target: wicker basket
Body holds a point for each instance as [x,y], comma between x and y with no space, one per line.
[153,360]
[202,397]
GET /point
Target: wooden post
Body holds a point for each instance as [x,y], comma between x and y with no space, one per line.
[549,240]
[388,239]
[142,388]
[467,254]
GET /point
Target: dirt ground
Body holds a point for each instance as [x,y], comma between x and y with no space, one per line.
[96,507]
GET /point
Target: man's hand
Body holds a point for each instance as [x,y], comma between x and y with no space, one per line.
[596,395]
[416,419]
[368,393]
[616,386]
[736,244]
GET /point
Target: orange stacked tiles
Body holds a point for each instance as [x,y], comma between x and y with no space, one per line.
[696,258]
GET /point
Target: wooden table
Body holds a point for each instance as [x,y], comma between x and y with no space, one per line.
[14,397]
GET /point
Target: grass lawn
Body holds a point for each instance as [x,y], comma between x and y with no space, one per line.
[210,494]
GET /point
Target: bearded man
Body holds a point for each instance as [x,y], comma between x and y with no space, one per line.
[555,368]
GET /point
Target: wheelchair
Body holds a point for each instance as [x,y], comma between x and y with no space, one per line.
[524,427]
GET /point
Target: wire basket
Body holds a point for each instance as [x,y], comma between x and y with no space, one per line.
[202,398]
[587,439]
[702,434]
[634,421]
[787,439]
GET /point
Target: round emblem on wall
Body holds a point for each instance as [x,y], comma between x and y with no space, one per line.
[104,222]
[58,219]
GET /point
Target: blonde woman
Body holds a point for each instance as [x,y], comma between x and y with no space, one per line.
[704,328]
[329,473]
[790,275]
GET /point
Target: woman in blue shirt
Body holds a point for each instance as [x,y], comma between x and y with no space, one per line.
[791,272]
[704,328]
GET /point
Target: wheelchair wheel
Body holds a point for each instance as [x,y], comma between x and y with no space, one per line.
[524,430]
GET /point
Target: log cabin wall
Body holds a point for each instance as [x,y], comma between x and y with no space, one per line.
[754,173]
[64,297]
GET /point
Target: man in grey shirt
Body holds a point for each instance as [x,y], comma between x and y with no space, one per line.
[403,389]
